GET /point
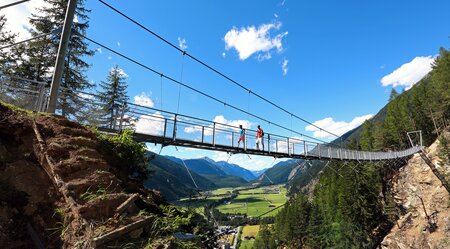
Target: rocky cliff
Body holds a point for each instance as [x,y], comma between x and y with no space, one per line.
[424,203]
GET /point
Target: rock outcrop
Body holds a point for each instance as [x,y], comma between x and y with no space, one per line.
[425,222]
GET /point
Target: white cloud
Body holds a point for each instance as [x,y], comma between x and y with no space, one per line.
[284,66]
[409,73]
[221,123]
[182,43]
[109,57]
[144,100]
[263,57]
[120,72]
[250,40]
[75,19]
[99,50]
[336,127]
[152,124]
[250,163]
[118,44]
[283,2]
[224,54]
[17,17]
[86,96]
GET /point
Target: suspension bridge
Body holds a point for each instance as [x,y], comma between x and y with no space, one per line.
[164,127]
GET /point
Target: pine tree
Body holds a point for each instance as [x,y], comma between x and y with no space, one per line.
[113,95]
[41,53]
[393,95]
[367,136]
[6,38]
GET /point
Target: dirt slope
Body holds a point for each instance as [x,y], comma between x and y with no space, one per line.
[416,181]
[57,188]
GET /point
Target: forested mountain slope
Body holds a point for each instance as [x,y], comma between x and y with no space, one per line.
[353,205]
[172,179]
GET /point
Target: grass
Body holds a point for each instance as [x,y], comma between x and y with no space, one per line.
[248,231]
[246,244]
[257,201]
[88,195]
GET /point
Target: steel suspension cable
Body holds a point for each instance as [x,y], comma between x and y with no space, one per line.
[213,69]
[13,4]
[196,90]
[25,41]
[181,80]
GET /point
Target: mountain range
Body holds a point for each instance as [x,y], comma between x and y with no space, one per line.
[169,175]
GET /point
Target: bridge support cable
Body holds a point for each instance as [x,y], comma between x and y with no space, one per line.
[13,4]
[435,171]
[189,172]
[27,40]
[136,112]
[213,69]
[198,91]
[331,167]
[181,80]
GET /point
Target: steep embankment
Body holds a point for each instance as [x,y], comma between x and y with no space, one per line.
[57,188]
[421,224]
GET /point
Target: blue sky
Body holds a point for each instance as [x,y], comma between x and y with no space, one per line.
[330,62]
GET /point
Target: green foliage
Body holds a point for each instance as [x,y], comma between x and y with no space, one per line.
[342,213]
[6,38]
[130,155]
[36,59]
[100,193]
[264,239]
[423,107]
[113,95]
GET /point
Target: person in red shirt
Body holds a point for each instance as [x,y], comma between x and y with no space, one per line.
[259,138]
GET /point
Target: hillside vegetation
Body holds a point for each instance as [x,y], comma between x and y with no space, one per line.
[352,204]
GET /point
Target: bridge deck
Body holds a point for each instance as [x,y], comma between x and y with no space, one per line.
[169,128]
[321,152]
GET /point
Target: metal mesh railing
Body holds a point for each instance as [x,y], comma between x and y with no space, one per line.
[179,129]
[23,93]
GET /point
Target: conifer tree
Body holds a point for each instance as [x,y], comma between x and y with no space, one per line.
[367,137]
[41,53]
[113,95]
[393,94]
[6,38]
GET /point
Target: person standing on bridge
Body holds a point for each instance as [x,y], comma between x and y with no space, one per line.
[241,136]
[259,138]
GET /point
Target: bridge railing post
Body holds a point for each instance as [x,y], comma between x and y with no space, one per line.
[245,140]
[304,148]
[174,137]
[232,139]
[288,149]
[122,115]
[268,143]
[276,146]
[203,133]
[165,127]
[214,134]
